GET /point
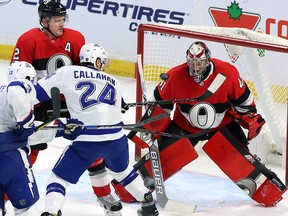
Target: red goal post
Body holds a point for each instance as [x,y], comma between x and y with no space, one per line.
[261,59]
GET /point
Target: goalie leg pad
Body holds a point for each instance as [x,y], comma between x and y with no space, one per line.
[261,184]
[174,157]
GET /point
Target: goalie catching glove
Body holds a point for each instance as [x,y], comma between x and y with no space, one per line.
[71,130]
[251,121]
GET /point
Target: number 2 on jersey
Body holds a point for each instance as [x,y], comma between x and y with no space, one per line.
[87,98]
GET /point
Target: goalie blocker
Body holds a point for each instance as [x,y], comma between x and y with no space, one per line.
[175,153]
[261,184]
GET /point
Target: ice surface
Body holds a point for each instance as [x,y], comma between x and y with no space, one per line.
[201,182]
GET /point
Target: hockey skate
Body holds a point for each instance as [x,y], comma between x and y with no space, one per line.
[59,213]
[111,206]
[148,207]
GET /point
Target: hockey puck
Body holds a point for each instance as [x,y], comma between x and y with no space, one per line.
[164,76]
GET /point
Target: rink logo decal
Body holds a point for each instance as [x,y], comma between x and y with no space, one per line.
[3,2]
[234,16]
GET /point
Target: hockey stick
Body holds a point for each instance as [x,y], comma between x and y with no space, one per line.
[56,103]
[172,135]
[162,198]
[127,126]
[141,75]
[217,82]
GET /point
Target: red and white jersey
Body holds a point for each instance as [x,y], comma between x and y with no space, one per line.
[47,55]
[212,112]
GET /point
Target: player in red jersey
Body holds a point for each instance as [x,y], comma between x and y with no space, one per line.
[225,103]
[51,46]
[47,49]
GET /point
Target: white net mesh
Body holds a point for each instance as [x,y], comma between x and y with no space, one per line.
[264,70]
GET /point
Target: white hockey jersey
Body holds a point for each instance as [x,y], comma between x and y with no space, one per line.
[92,96]
[17,100]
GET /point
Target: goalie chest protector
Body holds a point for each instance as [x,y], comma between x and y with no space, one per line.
[261,184]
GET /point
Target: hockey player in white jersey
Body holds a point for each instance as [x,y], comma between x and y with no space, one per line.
[17,97]
[93,99]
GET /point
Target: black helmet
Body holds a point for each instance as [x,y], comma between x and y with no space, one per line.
[51,8]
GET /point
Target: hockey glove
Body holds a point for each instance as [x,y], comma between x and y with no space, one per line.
[252,122]
[71,130]
[124,106]
[24,131]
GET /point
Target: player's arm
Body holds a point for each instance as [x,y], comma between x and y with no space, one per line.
[20,98]
[163,91]
[45,84]
[244,108]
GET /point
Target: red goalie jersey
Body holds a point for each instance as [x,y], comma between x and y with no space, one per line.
[47,55]
[212,112]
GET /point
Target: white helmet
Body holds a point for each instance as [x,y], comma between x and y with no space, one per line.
[21,70]
[198,59]
[89,53]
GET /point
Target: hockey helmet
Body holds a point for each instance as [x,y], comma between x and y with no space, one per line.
[198,59]
[89,53]
[51,8]
[21,70]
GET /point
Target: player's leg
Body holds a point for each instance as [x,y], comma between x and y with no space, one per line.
[31,211]
[67,170]
[21,186]
[72,164]
[118,166]
[55,195]
[40,113]
[101,187]
[243,168]
[2,201]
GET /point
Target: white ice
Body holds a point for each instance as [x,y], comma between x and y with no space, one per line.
[201,182]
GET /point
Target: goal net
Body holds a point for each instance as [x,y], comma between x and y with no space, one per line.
[261,60]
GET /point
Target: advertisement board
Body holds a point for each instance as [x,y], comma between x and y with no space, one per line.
[114,23]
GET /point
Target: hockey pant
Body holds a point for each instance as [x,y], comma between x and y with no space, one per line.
[261,184]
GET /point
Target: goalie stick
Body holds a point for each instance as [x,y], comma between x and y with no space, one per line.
[56,104]
[161,195]
[162,198]
[142,80]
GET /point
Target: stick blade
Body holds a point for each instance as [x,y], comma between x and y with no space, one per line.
[179,207]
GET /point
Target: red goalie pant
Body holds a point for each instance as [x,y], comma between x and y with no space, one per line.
[261,184]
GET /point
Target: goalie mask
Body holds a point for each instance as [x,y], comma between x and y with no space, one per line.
[198,59]
[22,70]
[94,54]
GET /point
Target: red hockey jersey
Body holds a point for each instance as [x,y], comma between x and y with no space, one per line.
[212,112]
[47,55]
